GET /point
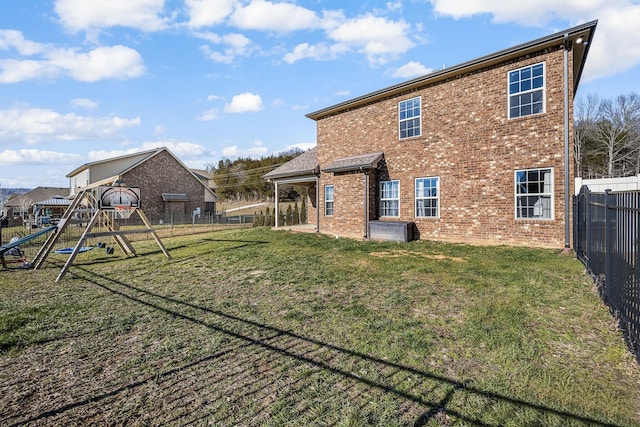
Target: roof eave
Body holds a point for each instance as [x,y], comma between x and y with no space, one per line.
[585,30]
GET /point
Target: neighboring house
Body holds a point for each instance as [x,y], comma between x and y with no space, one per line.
[477,153]
[167,187]
[41,202]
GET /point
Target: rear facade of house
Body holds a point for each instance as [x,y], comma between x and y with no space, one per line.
[472,154]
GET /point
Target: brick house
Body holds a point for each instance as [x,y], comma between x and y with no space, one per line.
[477,153]
[167,186]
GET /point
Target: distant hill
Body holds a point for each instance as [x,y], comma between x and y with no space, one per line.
[6,192]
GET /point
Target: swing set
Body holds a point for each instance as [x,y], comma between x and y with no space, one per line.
[105,204]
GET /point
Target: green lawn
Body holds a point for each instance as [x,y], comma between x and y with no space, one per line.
[263,327]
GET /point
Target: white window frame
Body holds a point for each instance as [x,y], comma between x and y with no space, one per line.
[389,198]
[402,116]
[534,205]
[329,202]
[527,90]
[420,211]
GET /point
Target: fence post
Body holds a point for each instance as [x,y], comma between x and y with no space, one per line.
[608,239]
[587,228]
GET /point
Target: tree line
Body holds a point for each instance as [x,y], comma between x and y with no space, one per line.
[607,136]
[241,178]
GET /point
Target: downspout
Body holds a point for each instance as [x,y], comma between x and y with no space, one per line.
[567,183]
[318,203]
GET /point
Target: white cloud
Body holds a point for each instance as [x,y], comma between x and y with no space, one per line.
[615,47]
[181,149]
[300,107]
[256,151]
[33,125]
[320,52]
[83,15]
[278,17]
[302,146]
[119,62]
[411,69]
[244,103]
[105,62]
[33,156]
[83,103]
[204,13]
[208,115]
[14,40]
[237,45]
[376,37]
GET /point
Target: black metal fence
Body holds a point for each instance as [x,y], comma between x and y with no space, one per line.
[607,241]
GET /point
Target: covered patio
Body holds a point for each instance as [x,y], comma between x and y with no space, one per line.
[303,171]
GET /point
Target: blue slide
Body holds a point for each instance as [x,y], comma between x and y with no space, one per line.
[22,240]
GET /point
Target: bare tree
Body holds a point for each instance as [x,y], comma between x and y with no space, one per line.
[616,131]
[25,204]
[3,202]
[585,117]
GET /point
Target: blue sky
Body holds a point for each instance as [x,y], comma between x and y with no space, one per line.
[84,80]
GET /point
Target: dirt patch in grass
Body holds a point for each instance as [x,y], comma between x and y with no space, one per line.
[397,253]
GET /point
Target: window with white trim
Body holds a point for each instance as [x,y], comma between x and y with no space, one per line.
[409,112]
[526,91]
[328,200]
[534,193]
[390,198]
[428,197]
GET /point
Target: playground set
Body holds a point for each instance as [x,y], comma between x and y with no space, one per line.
[104,205]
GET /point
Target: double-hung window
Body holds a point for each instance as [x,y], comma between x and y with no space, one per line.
[534,193]
[390,198]
[526,91]
[328,200]
[409,117]
[428,197]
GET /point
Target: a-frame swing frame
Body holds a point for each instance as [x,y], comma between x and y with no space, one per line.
[113,230]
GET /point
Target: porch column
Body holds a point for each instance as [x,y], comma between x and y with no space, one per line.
[277,212]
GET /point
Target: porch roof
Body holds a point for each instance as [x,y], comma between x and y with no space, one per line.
[362,162]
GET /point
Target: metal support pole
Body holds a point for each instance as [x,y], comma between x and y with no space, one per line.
[567,181]
[317,203]
[277,212]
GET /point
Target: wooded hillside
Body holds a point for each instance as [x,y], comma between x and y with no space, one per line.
[241,179]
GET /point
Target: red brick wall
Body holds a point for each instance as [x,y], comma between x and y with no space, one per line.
[162,173]
[469,142]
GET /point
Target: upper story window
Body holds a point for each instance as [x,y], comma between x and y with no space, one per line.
[409,112]
[526,91]
[534,193]
[428,197]
[390,198]
[328,200]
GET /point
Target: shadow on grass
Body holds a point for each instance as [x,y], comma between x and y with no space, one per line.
[435,396]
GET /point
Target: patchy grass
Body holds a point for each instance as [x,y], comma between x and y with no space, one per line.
[258,327]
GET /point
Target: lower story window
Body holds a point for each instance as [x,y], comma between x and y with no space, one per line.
[428,197]
[328,200]
[390,198]
[534,193]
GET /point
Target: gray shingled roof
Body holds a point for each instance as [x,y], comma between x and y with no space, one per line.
[305,164]
[365,161]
